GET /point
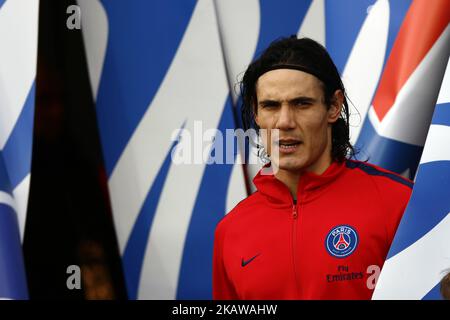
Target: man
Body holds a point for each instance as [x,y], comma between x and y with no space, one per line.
[321,225]
[445,287]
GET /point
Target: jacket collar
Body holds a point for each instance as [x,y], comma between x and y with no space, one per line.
[309,187]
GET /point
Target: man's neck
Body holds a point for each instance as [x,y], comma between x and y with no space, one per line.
[291,178]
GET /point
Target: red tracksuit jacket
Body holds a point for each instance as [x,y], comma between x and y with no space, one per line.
[326,245]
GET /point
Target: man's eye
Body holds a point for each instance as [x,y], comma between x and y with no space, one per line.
[268,105]
[301,103]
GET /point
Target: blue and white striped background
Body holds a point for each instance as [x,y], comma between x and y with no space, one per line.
[156,66]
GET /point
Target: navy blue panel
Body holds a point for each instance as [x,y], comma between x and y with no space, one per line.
[12,271]
[434,294]
[279,19]
[343,20]
[441,114]
[5,186]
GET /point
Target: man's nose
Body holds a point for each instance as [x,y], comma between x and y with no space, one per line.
[285,119]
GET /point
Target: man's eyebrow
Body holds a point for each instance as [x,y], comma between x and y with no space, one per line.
[268,101]
[302,99]
[293,100]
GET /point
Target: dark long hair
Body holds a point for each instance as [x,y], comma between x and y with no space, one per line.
[309,56]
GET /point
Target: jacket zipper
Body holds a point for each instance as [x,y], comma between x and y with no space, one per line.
[294,243]
[294,211]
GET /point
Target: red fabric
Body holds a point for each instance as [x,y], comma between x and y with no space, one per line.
[283,246]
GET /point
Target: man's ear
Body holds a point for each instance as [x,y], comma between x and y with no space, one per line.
[336,106]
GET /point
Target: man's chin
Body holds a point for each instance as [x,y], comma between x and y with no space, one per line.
[289,165]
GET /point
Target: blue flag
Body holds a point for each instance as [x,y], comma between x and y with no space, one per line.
[420,255]
[395,128]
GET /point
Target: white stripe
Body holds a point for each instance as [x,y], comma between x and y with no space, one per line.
[412,273]
[18,38]
[437,146]
[360,76]
[239,23]
[415,102]
[5,198]
[313,25]
[21,199]
[95,34]
[239,28]
[236,187]
[253,167]
[444,94]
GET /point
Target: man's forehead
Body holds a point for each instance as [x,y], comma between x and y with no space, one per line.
[286,82]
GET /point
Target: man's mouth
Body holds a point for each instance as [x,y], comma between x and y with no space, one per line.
[288,144]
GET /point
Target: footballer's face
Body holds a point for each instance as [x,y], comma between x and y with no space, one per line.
[292,101]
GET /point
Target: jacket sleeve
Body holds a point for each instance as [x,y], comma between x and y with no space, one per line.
[399,205]
[223,288]
[395,197]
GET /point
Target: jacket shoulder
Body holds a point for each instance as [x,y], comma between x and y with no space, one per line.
[239,209]
[380,175]
[393,191]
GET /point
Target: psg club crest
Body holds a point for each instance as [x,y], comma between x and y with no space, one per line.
[341,241]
